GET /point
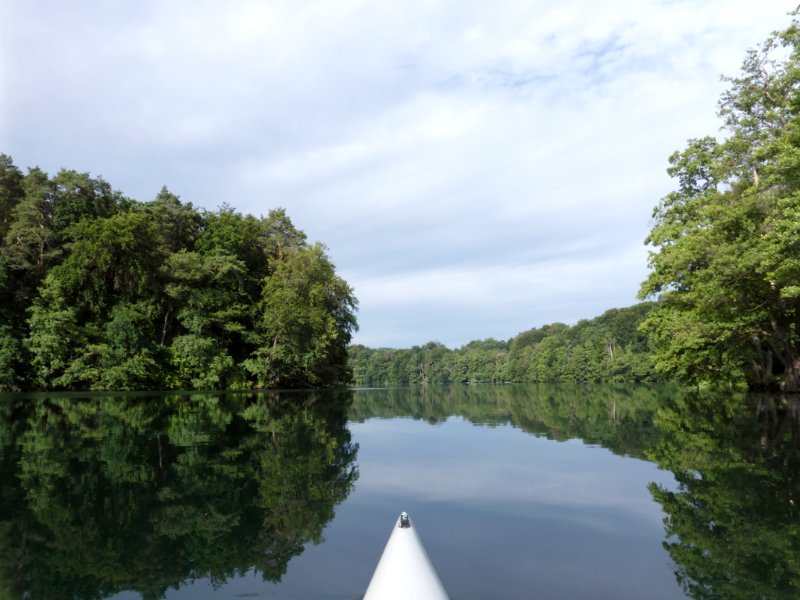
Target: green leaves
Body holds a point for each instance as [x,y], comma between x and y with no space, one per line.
[9,360]
[307,316]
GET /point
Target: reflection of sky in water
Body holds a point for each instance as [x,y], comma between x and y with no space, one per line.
[498,464]
[502,513]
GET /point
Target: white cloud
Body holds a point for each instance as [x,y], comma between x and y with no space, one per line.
[477,285]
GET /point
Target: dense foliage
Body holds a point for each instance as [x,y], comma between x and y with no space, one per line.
[142,494]
[607,348]
[726,258]
[98,291]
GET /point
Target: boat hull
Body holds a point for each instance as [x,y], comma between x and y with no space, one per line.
[404,571]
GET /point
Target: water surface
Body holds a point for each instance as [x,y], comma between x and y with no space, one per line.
[516,491]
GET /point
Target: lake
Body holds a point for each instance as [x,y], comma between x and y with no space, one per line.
[517,491]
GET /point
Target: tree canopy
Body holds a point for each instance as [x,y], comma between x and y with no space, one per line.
[99,291]
[726,241]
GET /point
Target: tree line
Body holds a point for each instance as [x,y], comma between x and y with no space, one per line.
[100,291]
[608,348]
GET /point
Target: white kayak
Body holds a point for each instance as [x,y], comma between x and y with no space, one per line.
[405,572]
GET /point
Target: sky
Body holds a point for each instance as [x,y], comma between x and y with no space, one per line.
[475,168]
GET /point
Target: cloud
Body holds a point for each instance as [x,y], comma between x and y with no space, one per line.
[457,158]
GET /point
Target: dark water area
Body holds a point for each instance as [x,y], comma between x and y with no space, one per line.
[517,492]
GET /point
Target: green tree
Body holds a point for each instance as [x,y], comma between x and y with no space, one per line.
[10,354]
[606,348]
[242,236]
[55,336]
[30,240]
[280,235]
[93,323]
[305,323]
[726,258]
[213,313]
[80,197]
[178,224]
[129,357]
[11,193]
[98,291]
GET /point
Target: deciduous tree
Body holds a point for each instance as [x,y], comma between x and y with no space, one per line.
[726,242]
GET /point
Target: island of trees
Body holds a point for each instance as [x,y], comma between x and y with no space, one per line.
[99,291]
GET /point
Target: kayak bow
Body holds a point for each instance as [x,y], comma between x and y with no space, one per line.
[404,571]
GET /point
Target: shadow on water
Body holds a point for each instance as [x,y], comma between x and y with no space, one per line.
[733,521]
[108,493]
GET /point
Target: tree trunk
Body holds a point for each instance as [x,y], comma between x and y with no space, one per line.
[791,379]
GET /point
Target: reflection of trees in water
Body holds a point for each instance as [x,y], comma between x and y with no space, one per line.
[732,523]
[106,494]
[618,417]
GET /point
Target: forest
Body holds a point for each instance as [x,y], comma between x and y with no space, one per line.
[102,292]
[608,348]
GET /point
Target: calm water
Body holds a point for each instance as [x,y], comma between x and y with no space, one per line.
[517,492]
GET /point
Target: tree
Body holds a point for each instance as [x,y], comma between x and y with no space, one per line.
[55,335]
[11,192]
[93,322]
[9,360]
[213,314]
[606,348]
[241,236]
[726,242]
[30,241]
[80,197]
[306,320]
[178,223]
[113,259]
[280,235]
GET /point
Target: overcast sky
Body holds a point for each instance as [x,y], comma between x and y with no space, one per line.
[476,168]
